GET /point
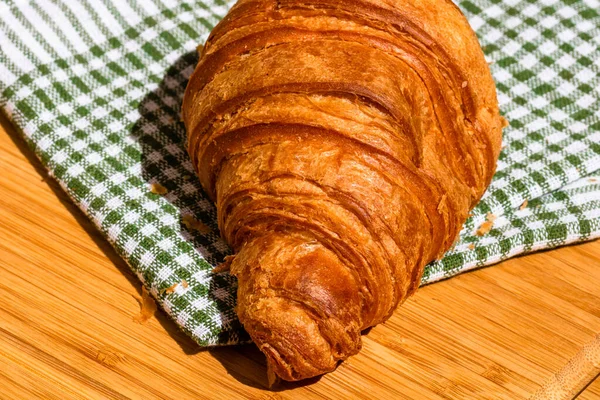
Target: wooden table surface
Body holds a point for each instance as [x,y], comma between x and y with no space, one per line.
[67,303]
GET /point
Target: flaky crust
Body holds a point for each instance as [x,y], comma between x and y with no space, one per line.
[344,143]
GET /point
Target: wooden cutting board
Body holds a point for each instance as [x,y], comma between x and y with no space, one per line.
[67,303]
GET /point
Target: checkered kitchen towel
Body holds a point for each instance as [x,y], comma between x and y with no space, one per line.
[95,87]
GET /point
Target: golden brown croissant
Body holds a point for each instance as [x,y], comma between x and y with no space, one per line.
[344,143]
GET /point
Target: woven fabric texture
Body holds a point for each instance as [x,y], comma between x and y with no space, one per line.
[95,87]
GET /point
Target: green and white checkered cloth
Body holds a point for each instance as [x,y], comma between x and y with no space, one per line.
[95,87]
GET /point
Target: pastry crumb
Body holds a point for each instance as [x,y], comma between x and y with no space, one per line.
[224,266]
[490,217]
[170,289]
[157,188]
[464,84]
[485,228]
[471,246]
[593,180]
[200,48]
[505,122]
[147,307]
[524,205]
[187,177]
[193,224]
[173,287]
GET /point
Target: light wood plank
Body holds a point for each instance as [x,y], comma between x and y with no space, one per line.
[67,330]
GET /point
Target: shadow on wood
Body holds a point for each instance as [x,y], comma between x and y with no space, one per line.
[239,360]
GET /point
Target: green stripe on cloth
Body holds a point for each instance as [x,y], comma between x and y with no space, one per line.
[96,87]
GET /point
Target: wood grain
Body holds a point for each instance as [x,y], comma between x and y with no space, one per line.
[67,304]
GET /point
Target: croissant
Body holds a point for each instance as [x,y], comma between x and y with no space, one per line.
[344,143]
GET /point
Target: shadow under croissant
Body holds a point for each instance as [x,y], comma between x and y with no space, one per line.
[247,364]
